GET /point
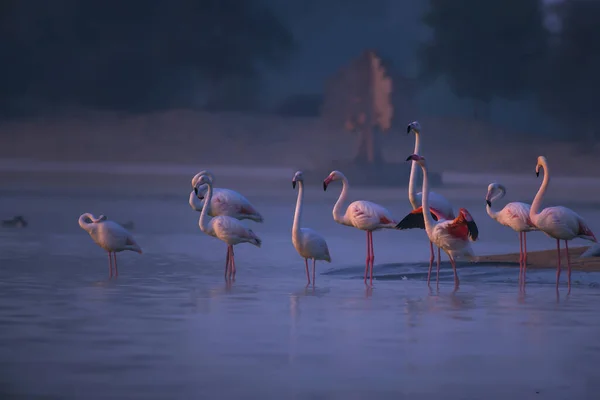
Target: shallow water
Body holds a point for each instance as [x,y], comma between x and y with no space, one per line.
[169,327]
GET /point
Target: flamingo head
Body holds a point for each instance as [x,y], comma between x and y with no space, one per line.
[298,177]
[333,176]
[101,218]
[415,157]
[494,189]
[202,185]
[541,163]
[198,175]
[414,126]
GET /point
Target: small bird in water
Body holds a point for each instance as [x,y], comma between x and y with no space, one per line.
[109,235]
[16,222]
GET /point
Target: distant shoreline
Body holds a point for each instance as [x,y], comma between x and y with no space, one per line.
[545,259]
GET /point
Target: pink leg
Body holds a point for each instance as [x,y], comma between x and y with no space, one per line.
[431,258]
[109,265]
[568,266]
[232,270]
[372,260]
[368,257]
[520,259]
[227,261]
[116,267]
[307,274]
[439,261]
[558,265]
[314,268]
[524,258]
[456,280]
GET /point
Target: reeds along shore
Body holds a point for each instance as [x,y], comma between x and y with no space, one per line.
[546,259]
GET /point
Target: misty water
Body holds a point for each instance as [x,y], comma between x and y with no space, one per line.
[170,327]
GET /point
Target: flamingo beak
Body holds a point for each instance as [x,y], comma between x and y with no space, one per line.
[326,182]
[489,203]
[537,174]
[293,184]
[408,128]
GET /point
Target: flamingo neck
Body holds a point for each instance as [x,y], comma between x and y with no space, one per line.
[298,212]
[412,182]
[195,202]
[537,201]
[494,214]
[87,226]
[338,214]
[429,222]
[203,220]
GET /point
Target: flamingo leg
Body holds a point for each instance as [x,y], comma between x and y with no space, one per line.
[568,266]
[307,274]
[456,280]
[439,261]
[109,265]
[314,268]
[431,258]
[116,267]
[524,258]
[227,260]
[372,255]
[558,264]
[520,259]
[232,270]
[368,257]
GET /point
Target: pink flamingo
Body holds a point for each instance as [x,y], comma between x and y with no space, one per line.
[225,228]
[438,203]
[224,201]
[560,223]
[363,215]
[109,235]
[515,215]
[452,236]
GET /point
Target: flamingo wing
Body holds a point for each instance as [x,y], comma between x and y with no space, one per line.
[464,226]
[415,219]
[315,244]
[439,203]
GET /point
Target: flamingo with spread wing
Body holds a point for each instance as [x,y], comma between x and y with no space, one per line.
[452,236]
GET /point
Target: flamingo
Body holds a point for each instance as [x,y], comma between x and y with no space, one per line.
[308,243]
[363,215]
[109,235]
[515,215]
[225,201]
[438,203]
[225,228]
[452,236]
[560,223]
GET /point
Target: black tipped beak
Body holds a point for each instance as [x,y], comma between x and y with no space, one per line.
[409,158]
[293,184]
[196,191]
[537,173]
[408,129]
[489,203]
[324,186]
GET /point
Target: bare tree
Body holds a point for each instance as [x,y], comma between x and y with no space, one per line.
[358,98]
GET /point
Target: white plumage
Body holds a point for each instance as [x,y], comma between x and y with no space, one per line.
[225,228]
[363,215]
[109,235]
[225,202]
[308,243]
[560,223]
[515,215]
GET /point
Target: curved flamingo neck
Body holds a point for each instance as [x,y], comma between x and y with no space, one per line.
[494,214]
[338,214]
[84,224]
[202,221]
[537,201]
[412,182]
[429,222]
[298,212]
